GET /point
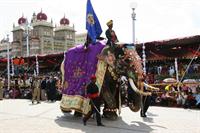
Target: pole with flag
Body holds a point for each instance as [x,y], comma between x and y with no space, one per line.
[92,24]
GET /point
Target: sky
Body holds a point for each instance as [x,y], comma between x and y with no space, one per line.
[155,19]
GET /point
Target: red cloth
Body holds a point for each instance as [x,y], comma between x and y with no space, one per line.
[190,97]
[18,61]
[92,96]
[93,77]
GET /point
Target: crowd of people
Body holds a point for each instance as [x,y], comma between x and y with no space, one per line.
[44,87]
[170,69]
[171,96]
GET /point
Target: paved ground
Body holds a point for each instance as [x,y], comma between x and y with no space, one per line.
[20,116]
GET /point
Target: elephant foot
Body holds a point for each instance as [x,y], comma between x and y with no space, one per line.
[110,114]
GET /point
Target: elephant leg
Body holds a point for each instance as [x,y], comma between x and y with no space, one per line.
[110,108]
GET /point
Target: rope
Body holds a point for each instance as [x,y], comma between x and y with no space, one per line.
[188,66]
[190,63]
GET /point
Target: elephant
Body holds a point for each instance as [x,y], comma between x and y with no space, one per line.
[109,64]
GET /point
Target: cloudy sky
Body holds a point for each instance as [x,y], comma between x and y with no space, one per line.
[155,19]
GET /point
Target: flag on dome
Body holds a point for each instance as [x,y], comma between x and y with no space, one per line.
[92,23]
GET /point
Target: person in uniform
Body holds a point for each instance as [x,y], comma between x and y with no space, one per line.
[36,90]
[93,93]
[110,34]
[146,99]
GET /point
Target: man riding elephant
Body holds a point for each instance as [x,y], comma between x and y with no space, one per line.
[109,64]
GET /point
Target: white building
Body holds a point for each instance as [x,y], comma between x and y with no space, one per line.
[3,48]
[43,37]
[80,38]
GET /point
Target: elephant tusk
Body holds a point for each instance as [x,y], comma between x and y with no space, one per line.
[133,85]
[136,89]
[151,87]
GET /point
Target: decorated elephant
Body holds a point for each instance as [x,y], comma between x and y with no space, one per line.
[109,64]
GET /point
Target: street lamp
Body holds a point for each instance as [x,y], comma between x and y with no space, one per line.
[27,27]
[37,65]
[133,5]
[8,60]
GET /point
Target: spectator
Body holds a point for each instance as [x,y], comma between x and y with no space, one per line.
[190,101]
[170,88]
[197,98]
[185,88]
[43,89]
[181,98]
[1,89]
[163,99]
[171,71]
[36,91]
[48,84]
[52,89]
[159,69]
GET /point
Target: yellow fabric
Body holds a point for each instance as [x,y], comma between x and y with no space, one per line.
[168,87]
[109,22]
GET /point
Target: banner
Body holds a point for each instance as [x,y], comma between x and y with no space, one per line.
[77,103]
[100,73]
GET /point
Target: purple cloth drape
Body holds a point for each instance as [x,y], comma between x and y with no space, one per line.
[79,65]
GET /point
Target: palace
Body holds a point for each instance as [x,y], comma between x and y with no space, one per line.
[41,37]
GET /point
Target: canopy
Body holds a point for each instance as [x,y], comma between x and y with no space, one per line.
[185,47]
[170,80]
[189,81]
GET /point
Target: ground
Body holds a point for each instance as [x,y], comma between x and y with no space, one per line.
[20,116]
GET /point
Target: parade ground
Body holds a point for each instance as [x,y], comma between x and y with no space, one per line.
[20,116]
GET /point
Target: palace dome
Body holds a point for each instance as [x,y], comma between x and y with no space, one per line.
[41,16]
[21,20]
[64,21]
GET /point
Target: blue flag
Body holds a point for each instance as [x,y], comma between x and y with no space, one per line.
[92,23]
